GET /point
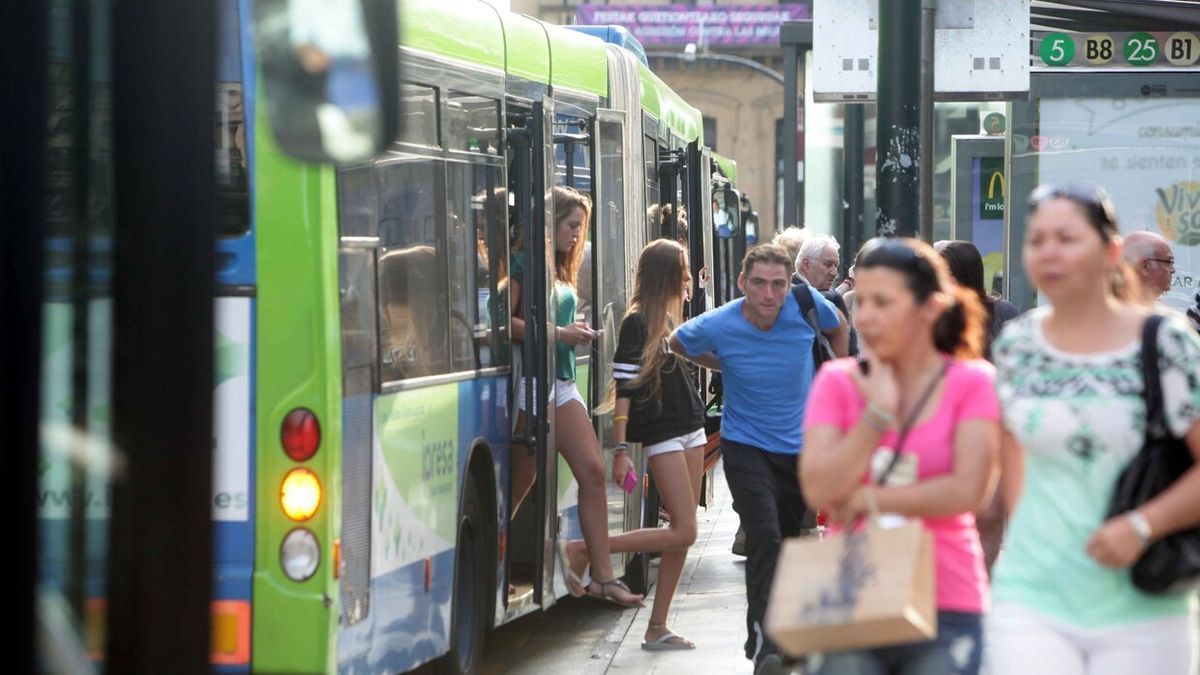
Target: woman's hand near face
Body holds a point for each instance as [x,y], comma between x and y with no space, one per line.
[878,385]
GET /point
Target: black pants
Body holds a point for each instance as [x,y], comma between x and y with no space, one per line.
[766,495]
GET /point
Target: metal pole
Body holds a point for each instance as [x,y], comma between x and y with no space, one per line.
[796,38]
[853,234]
[899,117]
[928,8]
[790,84]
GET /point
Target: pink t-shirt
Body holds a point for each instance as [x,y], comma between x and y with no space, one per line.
[969,393]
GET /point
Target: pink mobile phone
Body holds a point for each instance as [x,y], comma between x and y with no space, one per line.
[630,481]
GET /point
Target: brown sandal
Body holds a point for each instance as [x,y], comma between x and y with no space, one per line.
[605,593]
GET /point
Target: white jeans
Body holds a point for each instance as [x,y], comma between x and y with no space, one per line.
[1021,641]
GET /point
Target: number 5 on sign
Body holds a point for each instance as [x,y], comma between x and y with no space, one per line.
[1141,49]
[1057,49]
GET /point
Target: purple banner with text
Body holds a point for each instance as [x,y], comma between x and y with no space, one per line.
[701,24]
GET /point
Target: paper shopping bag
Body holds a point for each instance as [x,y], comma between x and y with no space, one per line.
[866,588]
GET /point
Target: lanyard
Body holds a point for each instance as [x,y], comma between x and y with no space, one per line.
[908,423]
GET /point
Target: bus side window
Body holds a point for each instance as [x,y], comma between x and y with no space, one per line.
[478,312]
[413,294]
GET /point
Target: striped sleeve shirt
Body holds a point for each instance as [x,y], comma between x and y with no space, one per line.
[676,411]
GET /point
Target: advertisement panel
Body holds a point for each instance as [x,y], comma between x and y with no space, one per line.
[1145,152]
[231,410]
[987,214]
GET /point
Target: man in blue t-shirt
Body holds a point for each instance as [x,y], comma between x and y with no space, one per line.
[762,345]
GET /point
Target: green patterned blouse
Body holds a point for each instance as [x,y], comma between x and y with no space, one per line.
[1080,419]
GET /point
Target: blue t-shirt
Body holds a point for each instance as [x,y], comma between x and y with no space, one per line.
[766,374]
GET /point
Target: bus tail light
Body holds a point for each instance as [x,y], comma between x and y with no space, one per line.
[300,494]
[300,554]
[300,434]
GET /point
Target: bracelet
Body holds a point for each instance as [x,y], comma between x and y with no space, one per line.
[880,413]
[872,505]
[621,418]
[1141,526]
[557,330]
[875,423]
[878,418]
[621,447]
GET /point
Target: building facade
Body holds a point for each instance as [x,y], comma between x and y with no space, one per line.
[724,58]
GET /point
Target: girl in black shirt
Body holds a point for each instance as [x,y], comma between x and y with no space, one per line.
[657,404]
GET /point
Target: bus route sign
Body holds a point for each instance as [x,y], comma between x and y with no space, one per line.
[1135,49]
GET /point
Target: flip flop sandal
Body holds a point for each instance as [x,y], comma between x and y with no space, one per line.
[574,584]
[669,642]
[606,594]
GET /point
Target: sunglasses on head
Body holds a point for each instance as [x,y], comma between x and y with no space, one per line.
[1093,198]
[1092,195]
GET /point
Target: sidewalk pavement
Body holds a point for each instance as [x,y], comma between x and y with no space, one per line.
[709,607]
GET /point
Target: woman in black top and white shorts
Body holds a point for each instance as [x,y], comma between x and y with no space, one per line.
[657,404]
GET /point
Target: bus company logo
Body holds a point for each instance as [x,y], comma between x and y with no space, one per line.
[1154,90]
[1177,212]
[438,465]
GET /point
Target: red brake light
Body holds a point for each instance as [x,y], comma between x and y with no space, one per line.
[301,434]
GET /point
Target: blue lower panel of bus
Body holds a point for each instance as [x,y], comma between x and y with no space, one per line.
[407,625]
[407,622]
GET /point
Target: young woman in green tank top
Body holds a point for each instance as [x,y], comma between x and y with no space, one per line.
[575,438]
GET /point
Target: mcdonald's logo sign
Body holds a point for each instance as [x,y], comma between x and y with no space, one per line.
[991,188]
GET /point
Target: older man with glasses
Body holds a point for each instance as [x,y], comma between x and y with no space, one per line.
[1151,258]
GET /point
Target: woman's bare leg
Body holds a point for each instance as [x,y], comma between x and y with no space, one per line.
[577,443]
[681,503]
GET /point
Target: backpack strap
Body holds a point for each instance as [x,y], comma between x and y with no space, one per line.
[807,306]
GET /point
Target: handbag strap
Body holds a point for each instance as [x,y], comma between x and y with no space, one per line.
[912,419]
[1156,423]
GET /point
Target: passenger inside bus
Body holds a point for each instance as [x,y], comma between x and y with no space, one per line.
[575,438]
[409,348]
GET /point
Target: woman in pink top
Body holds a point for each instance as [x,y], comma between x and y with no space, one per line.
[926,392]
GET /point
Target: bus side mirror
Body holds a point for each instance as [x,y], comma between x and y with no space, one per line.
[727,214]
[330,76]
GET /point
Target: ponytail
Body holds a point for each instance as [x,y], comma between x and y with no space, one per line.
[961,328]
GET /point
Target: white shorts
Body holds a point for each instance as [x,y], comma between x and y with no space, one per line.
[696,439]
[564,391]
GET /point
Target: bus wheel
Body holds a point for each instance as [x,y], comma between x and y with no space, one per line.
[468,619]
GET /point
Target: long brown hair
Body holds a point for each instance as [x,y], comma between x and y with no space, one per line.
[658,300]
[960,328]
[566,265]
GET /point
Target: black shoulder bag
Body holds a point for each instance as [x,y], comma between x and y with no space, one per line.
[1170,564]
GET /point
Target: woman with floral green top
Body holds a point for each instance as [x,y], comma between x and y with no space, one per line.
[1070,384]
